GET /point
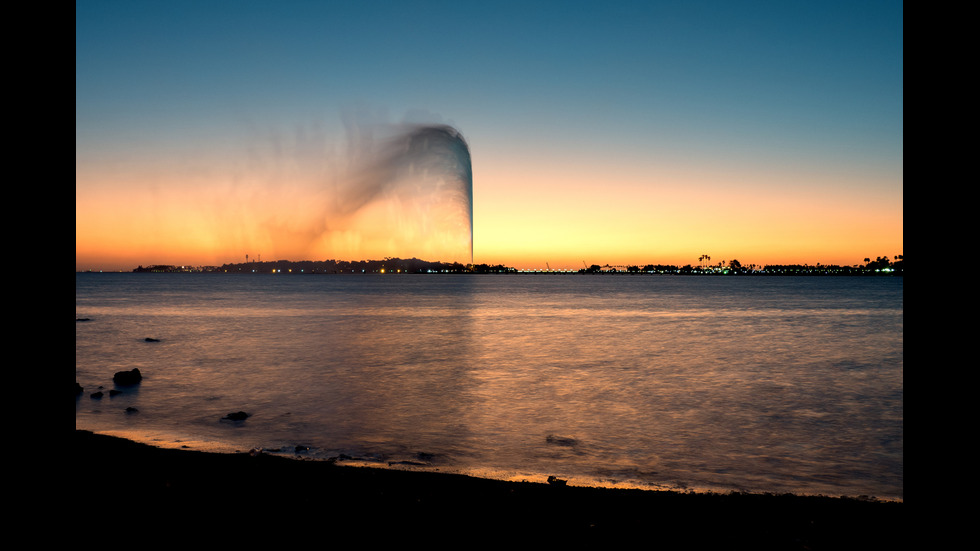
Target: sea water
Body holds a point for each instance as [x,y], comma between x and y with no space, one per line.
[704,383]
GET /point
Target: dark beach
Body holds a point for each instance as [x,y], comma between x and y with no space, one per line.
[125,488]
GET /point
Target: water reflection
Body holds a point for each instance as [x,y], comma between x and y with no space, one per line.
[648,381]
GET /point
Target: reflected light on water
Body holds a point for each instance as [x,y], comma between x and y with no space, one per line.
[646,382]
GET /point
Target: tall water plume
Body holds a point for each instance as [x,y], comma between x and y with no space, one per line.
[424,174]
[402,190]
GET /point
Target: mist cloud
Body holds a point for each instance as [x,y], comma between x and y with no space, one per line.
[398,190]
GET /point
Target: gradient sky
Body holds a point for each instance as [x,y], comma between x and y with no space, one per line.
[600,132]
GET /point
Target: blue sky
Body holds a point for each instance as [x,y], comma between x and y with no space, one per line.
[774,99]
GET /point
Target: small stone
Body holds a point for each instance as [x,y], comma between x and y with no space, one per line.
[555,481]
[131,377]
[237,416]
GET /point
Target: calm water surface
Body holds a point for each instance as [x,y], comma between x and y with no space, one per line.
[778,384]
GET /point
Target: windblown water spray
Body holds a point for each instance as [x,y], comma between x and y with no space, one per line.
[426,169]
[442,151]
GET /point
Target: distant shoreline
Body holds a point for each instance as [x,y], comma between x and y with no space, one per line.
[790,271]
[880,266]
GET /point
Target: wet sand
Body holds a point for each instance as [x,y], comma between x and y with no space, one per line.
[184,497]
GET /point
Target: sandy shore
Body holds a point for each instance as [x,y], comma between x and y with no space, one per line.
[130,489]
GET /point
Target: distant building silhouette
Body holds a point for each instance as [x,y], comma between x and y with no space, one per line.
[879,266]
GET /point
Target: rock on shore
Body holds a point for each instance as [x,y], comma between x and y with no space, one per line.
[127,378]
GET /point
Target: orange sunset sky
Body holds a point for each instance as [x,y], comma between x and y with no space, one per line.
[605,134]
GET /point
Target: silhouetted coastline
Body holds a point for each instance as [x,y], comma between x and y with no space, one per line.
[881,266]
